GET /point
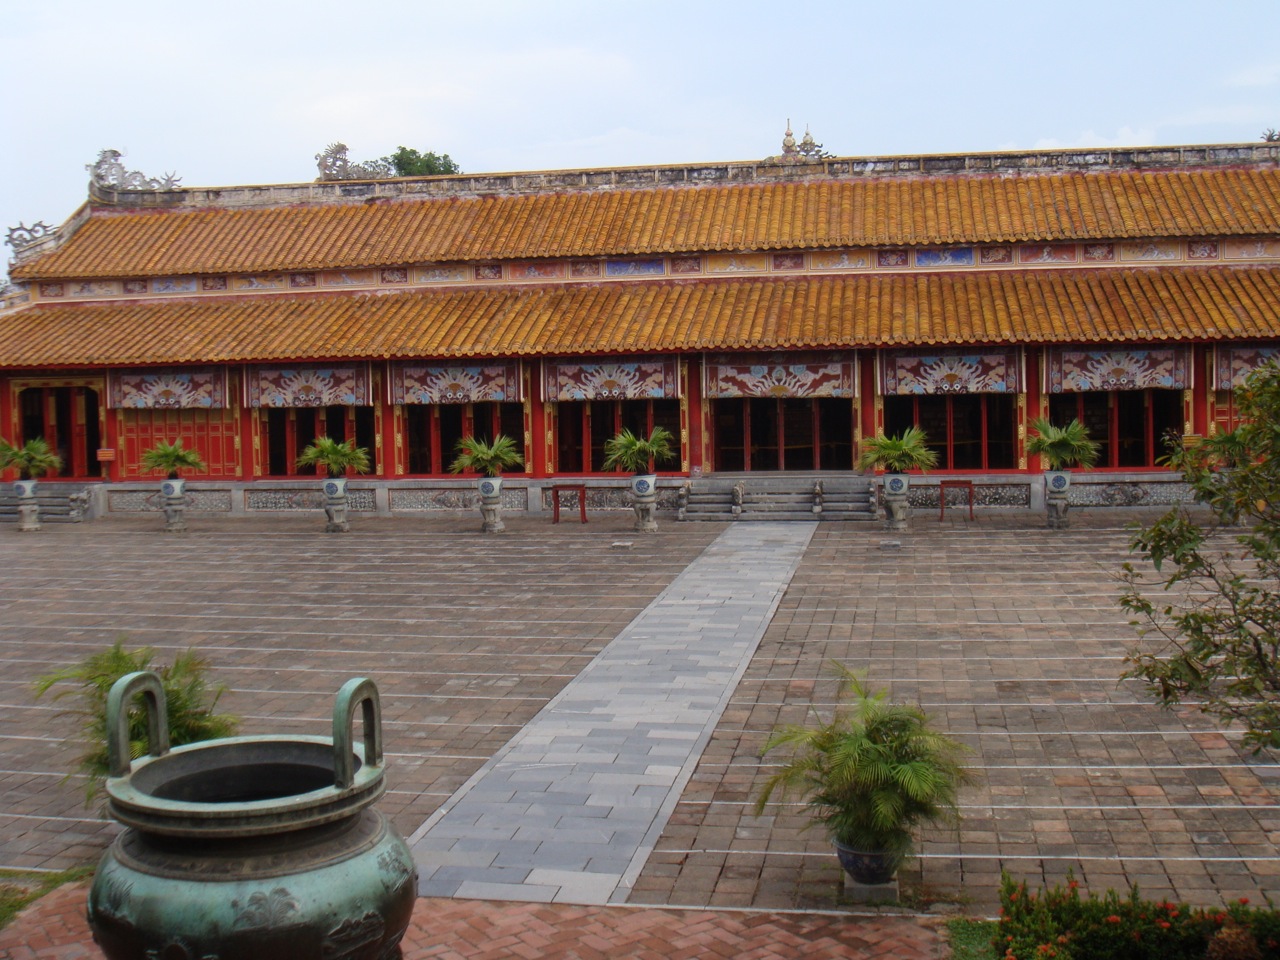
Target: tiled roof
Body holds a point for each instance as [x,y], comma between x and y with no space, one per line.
[1072,306]
[931,210]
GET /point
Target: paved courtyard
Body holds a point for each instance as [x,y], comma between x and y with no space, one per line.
[1007,633]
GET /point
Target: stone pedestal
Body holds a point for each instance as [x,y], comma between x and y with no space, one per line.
[335,511]
[1056,506]
[645,508]
[28,515]
[896,512]
[174,514]
[491,511]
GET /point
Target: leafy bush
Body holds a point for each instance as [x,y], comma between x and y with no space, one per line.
[1059,923]
[191,701]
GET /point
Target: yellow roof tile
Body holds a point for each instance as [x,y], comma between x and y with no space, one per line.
[1201,202]
[1070,306]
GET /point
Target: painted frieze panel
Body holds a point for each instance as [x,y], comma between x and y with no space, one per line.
[309,385]
[165,388]
[488,271]
[584,269]
[537,271]
[136,287]
[685,265]
[458,383]
[393,275]
[94,288]
[950,371]
[212,284]
[1099,252]
[789,261]
[945,257]
[633,268]
[892,258]
[1150,250]
[737,263]
[1047,253]
[839,260]
[265,282]
[652,378]
[52,290]
[1202,250]
[1251,249]
[302,280]
[1232,363]
[174,285]
[1069,370]
[989,255]
[346,278]
[447,274]
[779,375]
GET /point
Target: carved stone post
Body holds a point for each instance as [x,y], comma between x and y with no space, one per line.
[491,505]
[335,506]
[818,498]
[28,508]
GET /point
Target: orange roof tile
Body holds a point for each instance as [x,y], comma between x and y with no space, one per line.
[1204,202]
[1076,306]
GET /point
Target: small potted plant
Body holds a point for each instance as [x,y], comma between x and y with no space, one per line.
[172,459]
[1061,448]
[870,775]
[32,460]
[488,458]
[337,458]
[638,455]
[896,455]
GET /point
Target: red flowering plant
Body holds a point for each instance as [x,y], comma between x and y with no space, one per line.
[1061,923]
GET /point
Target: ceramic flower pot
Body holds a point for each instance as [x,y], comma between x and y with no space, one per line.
[490,487]
[173,488]
[644,484]
[24,488]
[335,487]
[869,867]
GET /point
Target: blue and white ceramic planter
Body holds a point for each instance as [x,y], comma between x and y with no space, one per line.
[1057,482]
[24,488]
[644,484]
[490,487]
[335,487]
[896,484]
[173,488]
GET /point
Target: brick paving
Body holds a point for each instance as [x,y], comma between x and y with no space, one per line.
[1007,633]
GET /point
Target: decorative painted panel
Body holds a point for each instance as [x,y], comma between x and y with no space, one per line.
[1232,363]
[174,285]
[537,271]
[839,260]
[94,288]
[779,375]
[737,263]
[945,257]
[1150,250]
[448,274]
[165,388]
[308,385]
[267,282]
[1047,253]
[1251,249]
[422,383]
[1099,252]
[346,278]
[1074,371]
[655,378]
[633,268]
[950,371]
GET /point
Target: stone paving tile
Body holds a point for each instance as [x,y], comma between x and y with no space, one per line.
[55,928]
[468,637]
[1010,636]
[567,811]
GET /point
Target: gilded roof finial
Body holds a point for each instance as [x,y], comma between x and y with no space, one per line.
[809,150]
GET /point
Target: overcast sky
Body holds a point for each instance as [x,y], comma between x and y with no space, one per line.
[248,91]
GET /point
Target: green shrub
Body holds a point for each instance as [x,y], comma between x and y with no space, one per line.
[190,698]
[1061,924]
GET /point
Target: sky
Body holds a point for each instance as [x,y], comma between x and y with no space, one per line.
[249,91]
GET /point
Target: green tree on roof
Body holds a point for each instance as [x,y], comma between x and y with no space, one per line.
[407,162]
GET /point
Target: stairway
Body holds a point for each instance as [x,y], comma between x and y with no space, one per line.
[775,497]
[59,503]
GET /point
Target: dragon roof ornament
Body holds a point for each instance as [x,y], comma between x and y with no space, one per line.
[334,165]
[22,236]
[110,174]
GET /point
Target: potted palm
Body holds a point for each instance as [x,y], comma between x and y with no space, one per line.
[32,460]
[172,458]
[337,457]
[1061,448]
[895,455]
[488,458]
[870,775]
[638,454]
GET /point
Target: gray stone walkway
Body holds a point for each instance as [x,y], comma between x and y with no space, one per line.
[571,808]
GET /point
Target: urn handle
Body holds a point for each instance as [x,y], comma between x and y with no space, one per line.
[122,693]
[357,692]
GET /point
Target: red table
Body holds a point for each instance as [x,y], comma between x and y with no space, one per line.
[944,486]
[579,488]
